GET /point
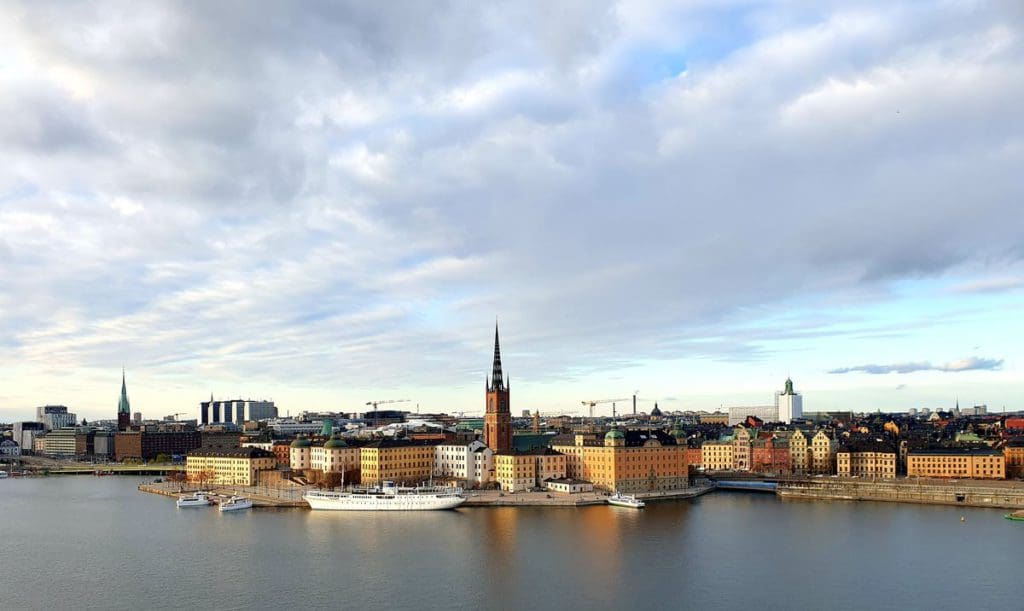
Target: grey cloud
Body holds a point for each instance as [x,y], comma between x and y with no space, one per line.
[968,364]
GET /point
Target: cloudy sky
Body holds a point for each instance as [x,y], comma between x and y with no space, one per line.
[693,199]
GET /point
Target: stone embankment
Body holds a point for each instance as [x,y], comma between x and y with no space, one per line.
[261,496]
[964,493]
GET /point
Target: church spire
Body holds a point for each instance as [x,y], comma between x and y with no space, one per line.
[123,406]
[497,379]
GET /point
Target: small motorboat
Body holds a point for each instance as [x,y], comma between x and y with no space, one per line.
[625,500]
[235,503]
[1017,516]
[198,499]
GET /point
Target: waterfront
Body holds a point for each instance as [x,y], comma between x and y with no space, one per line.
[99,543]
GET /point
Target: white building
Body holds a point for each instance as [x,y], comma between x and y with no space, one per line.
[738,414]
[471,462]
[789,403]
[55,417]
[236,411]
[335,456]
[287,428]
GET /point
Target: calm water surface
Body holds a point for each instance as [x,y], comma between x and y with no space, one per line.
[98,543]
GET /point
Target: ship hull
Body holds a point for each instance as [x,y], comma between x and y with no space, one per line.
[401,502]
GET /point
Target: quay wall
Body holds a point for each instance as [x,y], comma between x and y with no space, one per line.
[963,494]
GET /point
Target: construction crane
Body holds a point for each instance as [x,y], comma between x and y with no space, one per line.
[179,414]
[591,404]
[385,402]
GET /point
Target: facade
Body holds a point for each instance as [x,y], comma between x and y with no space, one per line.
[982,463]
[236,411]
[235,466]
[789,404]
[1014,455]
[61,442]
[55,417]
[25,433]
[498,414]
[103,444]
[717,455]
[335,456]
[799,453]
[630,461]
[300,455]
[569,486]
[85,442]
[9,449]
[396,460]
[470,463]
[823,454]
[145,445]
[767,413]
[866,461]
[770,455]
[741,449]
[517,471]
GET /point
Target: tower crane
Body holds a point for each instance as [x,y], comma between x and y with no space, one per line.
[384,402]
[591,404]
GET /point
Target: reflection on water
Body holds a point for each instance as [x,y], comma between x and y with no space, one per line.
[102,544]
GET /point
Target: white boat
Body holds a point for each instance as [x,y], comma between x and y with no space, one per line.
[3,474]
[199,499]
[625,500]
[235,503]
[387,497]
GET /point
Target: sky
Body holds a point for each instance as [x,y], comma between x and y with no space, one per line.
[333,205]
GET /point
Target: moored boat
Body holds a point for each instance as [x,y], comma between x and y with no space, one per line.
[198,499]
[1017,516]
[625,500]
[3,475]
[387,497]
[235,503]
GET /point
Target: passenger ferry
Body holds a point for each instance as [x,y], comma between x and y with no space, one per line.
[235,503]
[387,497]
[198,499]
[625,500]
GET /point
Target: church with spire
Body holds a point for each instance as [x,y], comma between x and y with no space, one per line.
[124,410]
[498,415]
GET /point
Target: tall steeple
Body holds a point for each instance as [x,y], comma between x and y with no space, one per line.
[124,410]
[497,379]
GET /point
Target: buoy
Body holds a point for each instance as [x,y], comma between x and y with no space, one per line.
[963,519]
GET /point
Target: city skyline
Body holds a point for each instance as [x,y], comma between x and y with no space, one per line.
[694,201]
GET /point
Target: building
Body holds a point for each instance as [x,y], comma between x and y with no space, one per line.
[147,445]
[236,411]
[124,410]
[789,404]
[741,449]
[335,456]
[867,459]
[231,467]
[9,449]
[288,427]
[716,455]
[470,463]
[300,455]
[516,471]
[799,452]
[767,413]
[60,443]
[822,454]
[55,417]
[85,442]
[631,461]
[569,486]
[770,455]
[715,418]
[103,444]
[1014,455]
[25,433]
[976,463]
[498,415]
[397,460]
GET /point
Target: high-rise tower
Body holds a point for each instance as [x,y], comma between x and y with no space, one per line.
[498,417]
[124,411]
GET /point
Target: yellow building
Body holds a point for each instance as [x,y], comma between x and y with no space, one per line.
[957,462]
[635,461]
[741,449]
[516,471]
[228,466]
[717,455]
[1014,456]
[335,456]
[864,462]
[823,453]
[396,460]
[799,453]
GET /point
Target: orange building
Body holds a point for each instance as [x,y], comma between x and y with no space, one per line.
[957,462]
[1014,455]
[631,461]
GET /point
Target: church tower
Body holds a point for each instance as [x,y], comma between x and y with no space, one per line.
[498,417]
[124,410]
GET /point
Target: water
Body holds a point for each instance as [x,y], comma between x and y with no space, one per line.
[97,543]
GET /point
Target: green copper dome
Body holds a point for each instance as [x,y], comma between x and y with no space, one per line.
[678,433]
[335,442]
[614,434]
[301,442]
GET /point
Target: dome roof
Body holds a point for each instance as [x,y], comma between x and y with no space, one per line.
[301,442]
[614,434]
[335,442]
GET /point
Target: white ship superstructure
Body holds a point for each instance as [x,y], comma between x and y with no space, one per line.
[388,497]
